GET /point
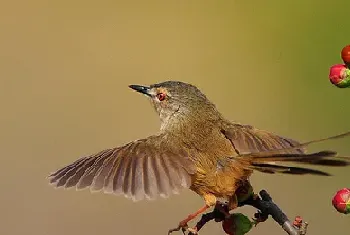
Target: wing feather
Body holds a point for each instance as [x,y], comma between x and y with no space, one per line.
[89,174]
[101,175]
[145,168]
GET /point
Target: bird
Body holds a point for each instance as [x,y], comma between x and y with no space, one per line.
[196,148]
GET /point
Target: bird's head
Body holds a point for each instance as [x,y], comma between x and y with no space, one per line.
[173,100]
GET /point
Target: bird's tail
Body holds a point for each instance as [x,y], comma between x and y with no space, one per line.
[265,161]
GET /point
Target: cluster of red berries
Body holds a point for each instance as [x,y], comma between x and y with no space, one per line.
[339,74]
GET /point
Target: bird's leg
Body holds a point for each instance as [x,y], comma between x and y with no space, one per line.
[210,200]
[183,223]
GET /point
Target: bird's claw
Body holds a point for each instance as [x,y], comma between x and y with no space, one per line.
[184,228]
[192,231]
[259,217]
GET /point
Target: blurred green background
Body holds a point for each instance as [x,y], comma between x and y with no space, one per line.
[64,71]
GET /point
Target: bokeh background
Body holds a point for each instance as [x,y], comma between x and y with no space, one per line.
[64,71]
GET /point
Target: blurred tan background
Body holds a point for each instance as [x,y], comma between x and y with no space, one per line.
[64,71]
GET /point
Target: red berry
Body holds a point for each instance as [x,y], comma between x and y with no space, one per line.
[337,73]
[229,226]
[341,201]
[345,54]
[298,221]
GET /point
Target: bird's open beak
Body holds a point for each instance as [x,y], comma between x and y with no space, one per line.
[142,89]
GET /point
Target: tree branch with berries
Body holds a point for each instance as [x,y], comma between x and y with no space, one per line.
[238,223]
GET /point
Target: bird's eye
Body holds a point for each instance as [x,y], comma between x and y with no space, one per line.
[161,96]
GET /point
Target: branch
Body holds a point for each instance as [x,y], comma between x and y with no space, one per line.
[266,207]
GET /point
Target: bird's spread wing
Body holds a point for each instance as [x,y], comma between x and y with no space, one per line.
[257,149]
[247,139]
[141,169]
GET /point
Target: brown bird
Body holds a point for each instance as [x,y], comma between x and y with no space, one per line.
[196,148]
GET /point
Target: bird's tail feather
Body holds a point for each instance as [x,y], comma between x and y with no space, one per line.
[267,164]
[326,158]
[272,169]
[323,158]
[264,161]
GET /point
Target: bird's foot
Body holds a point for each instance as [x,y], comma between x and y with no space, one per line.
[182,227]
[259,217]
[183,224]
[192,231]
